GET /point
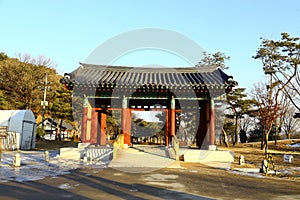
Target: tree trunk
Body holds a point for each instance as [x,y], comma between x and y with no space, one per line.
[235,131]
[266,142]
[275,136]
[225,138]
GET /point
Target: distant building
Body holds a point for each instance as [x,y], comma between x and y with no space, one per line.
[51,126]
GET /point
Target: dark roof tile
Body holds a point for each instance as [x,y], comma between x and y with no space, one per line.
[88,74]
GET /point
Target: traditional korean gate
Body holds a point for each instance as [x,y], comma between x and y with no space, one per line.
[128,88]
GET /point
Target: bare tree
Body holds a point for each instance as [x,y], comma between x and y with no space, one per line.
[247,122]
[290,124]
[40,60]
[269,102]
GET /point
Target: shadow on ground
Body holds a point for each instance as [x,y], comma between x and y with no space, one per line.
[79,185]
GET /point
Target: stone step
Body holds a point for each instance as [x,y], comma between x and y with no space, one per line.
[138,161]
[156,150]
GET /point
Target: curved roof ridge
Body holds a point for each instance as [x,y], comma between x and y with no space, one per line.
[204,68]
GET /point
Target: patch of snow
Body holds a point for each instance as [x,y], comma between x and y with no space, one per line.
[65,186]
[247,170]
[255,171]
[160,177]
[257,175]
[34,167]
[167,184]
[287,197]
[296,145]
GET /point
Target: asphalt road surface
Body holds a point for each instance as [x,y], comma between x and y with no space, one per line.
[193,181]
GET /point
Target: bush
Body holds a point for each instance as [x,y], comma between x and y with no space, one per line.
[40,132]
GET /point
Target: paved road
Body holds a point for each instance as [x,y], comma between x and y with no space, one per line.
[193,181]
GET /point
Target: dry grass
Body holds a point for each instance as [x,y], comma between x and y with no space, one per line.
[253,156]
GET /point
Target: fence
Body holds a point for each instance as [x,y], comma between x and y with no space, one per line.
[8,139]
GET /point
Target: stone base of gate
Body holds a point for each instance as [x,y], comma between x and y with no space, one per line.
[87,152]
[71,153]
[205,156]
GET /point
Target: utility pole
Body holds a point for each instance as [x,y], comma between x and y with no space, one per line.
[44,103]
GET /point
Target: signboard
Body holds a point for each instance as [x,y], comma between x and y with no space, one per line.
[287,158]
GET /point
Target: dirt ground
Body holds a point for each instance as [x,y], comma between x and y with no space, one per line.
[192,181]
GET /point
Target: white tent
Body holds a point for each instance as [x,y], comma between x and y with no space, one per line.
[23,123]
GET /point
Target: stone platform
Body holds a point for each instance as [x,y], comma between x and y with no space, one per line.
[204,156]
[87,152]
[142,158]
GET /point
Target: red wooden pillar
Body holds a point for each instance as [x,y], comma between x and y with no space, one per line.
[126,121]
[207,125]
[212,123]
[170,121]
[84,120]
[103,129]
[94,126]
[202,126]
[127,136]
[173,117]
[167,127]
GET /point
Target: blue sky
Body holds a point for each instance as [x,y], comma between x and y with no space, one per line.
[68,31]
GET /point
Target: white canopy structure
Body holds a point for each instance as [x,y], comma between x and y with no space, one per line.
[23,123]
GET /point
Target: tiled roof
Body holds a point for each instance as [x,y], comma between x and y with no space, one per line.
[113,76]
